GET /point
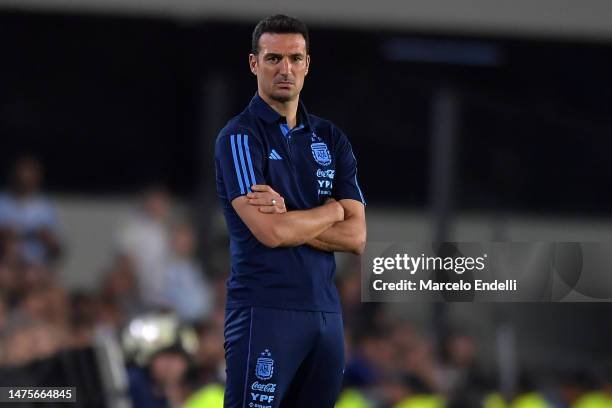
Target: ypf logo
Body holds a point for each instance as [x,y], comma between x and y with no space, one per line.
[321,153]
[265,366]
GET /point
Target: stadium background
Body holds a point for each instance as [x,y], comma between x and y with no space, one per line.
[470,120]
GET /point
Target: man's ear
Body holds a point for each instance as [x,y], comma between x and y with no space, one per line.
[307,63]
[253,63]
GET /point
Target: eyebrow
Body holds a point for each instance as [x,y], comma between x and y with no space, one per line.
[274,54]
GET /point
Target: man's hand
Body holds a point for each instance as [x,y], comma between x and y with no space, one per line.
[268,200]
[348,235]
[275,226]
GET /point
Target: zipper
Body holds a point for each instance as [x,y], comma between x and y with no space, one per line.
[287,139]
[292,168]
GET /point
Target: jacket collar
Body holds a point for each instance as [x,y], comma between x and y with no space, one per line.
[261,108]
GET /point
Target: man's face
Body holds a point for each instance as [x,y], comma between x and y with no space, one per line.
[280,66]
[27,175]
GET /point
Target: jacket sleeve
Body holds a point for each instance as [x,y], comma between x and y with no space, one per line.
[238,162]
[346,185]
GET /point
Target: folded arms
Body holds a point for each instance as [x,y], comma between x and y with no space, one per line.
[333,226]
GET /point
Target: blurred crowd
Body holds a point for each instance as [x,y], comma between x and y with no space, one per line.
[397,364]
[153,272]
[166,313]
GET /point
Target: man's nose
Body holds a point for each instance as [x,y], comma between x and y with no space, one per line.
[285,68]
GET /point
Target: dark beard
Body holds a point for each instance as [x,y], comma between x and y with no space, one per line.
[281,99]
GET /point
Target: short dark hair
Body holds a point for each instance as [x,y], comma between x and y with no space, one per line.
[278,24]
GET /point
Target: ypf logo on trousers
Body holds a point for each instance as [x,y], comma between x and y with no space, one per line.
[265,366]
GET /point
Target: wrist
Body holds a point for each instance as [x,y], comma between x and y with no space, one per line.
[338,210]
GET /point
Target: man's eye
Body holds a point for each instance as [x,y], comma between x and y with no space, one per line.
[273,59]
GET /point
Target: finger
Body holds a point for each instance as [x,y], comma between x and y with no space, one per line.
[268,209]
[264,188]
[260,201]
[256,195]
[263,196]
[261,187]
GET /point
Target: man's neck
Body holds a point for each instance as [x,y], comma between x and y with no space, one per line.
[286,109]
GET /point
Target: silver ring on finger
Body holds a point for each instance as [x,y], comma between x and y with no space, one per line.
[273,201]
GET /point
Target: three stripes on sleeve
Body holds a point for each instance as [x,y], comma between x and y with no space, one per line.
[242,162]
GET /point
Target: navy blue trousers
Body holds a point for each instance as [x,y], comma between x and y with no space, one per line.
[283,358]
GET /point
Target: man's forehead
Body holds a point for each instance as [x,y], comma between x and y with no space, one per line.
[290,43]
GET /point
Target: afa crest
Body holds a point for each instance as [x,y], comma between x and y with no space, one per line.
[321,153]
[265,366]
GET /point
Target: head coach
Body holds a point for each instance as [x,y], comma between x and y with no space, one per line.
[287,181]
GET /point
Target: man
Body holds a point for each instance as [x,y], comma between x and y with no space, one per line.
[144,238]
[28,215]
[287,181]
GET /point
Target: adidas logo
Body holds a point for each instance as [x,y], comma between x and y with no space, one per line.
[274,155]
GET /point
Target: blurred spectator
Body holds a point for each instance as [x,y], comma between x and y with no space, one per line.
[186,289]
[3,316]
[210,357]
[25,212]
[168,367]
[371,357]
[205,381]
[209,396]
[607,383]
[160,384]
[118,291]
[462,379]
[9,283]
[408,391]
[349,290]
[527,396]
[419,359]
[46,303]
[161,352]
[84,309]
[145,240]
[28,340]
[580,390]
[353,398]
[10,251]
